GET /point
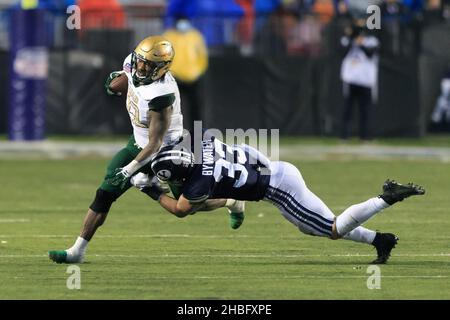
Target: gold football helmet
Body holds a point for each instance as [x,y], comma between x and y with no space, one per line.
[154,55]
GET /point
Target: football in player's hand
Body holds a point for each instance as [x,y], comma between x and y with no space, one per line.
[119,84]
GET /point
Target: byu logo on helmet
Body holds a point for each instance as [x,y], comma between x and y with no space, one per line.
[164,174]
[172,165]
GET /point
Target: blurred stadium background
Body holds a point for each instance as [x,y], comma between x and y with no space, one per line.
[276,63]
[273,64]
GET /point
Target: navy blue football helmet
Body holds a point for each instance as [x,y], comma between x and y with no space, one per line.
[172,165]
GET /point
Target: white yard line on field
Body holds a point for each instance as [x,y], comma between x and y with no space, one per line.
[151,236]
[268,255]
[14,220]
[301,276]
[260,277]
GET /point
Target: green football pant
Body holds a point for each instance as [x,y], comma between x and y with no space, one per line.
[121,159]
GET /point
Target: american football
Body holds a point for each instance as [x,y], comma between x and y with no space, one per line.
[119,84]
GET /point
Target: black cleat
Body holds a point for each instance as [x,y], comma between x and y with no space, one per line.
[384,243]
[394,191]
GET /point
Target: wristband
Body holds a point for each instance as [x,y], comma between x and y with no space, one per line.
[132,167]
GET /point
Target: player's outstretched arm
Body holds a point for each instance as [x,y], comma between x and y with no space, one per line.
[210,205]
[180,208]
[183,207]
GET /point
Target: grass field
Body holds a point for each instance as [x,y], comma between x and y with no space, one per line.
[143,252]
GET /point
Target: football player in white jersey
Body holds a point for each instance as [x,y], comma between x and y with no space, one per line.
[153,104]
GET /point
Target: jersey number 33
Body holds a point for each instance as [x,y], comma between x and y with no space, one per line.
[234,169]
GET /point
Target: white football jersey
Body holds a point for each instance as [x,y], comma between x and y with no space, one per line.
[138,99]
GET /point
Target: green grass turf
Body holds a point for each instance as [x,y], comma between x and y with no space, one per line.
[142,252]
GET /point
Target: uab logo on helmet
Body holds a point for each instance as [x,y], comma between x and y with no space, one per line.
[155,52]
[164,174]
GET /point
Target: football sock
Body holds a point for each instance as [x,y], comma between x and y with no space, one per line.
[236,206]
[357,214]
[78,249]
[361,234]
[230,202]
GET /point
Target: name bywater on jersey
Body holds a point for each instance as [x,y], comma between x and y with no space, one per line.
[207,158]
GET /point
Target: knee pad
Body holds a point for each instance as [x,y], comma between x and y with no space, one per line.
[103,201]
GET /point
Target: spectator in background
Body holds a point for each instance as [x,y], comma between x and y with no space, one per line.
[396,12]
[359,73]
[189,66]
[440,117]
[446,9]
[324,10]
[56,6]
[436,10]
[305,37]
[216,20]
[394,9]
[292,29]
[245,27]
[270,39]
[414,5]
[400,34]
[358,8]
[263,11]
[101,14]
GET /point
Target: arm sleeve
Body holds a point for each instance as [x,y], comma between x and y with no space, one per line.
[161,102]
